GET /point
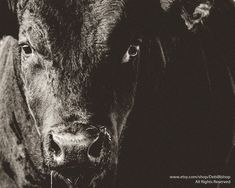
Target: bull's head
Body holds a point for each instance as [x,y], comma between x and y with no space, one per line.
[79,81]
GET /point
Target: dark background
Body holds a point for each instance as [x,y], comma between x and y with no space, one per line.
[8,20]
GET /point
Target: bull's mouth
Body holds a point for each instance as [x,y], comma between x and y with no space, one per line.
[64,179]
[76,176]
[72,178]
[59,179]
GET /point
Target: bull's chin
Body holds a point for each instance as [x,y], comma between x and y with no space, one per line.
[59,179]
[71,178]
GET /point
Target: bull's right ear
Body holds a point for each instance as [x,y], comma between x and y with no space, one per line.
[8,18]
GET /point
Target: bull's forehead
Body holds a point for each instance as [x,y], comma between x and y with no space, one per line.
[84,25]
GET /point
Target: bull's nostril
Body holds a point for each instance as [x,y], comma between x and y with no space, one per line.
[95,149]
[54,147]
[92,131]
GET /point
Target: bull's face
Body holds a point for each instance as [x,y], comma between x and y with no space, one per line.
[79,81]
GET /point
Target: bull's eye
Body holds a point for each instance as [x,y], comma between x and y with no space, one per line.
[131,53]
[133,50]
[26,49]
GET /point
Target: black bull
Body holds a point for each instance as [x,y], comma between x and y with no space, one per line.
[69,83]
[69,86]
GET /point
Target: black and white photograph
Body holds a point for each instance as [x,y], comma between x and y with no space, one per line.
[117,93]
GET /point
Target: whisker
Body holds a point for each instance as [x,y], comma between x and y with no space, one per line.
[68,182]
[51,179]
[76,181]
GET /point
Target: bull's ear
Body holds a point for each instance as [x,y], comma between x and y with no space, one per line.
[8,18]
[193,13]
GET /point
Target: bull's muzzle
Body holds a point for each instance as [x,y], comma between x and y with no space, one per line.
[76,146]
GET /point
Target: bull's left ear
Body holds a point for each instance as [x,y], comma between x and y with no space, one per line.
[198,16]
[8,18]
[192,12]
